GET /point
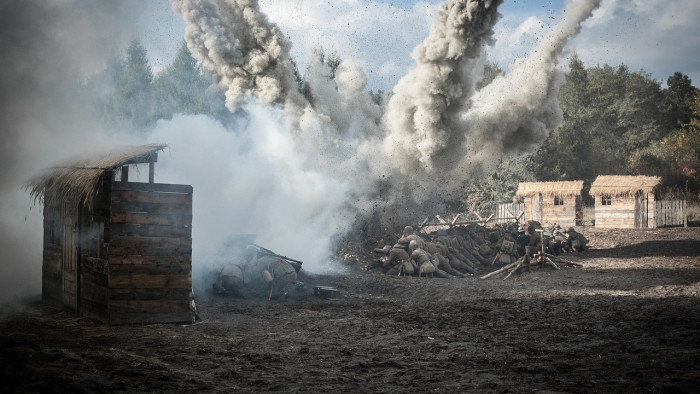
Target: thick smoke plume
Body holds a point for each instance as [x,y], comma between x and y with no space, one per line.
[420,117]
[247,54]
[435,132]
[297,170]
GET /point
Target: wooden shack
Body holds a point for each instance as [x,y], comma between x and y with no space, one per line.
[117,251]
[552,202]
[624,201]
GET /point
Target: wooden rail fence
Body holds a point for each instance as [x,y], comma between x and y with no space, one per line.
[671,213]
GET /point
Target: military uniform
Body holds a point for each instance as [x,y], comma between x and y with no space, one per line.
[271,274]
[576,241]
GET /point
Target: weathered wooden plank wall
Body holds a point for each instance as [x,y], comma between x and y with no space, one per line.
[507,213]
[671,213]
[619,214]
[149,248]
[52,255]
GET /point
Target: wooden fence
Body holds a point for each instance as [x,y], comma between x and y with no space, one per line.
[671,213]
[508,213]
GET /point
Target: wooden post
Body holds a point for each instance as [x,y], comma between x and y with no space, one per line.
[125,173]
[151,171]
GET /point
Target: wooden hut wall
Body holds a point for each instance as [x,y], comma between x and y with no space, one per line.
[52,256]
[149,251]
[564,214]
[618,214]
[533,207]
[621,211]
[94,293]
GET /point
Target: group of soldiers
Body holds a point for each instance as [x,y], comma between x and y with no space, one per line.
[457,253]
[257,272]
[463,251]
[531,238]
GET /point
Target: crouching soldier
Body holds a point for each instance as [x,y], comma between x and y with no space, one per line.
[507,248]
[576,241]
[424,262]
[231,279]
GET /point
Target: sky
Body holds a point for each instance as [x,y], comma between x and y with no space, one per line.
[657,36]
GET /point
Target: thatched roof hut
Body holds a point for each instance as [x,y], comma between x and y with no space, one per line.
[115,250]
[552,202]
[550,189]
[623,201]
[78,178]
[623,185]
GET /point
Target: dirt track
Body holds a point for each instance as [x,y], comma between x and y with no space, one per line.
[628,321]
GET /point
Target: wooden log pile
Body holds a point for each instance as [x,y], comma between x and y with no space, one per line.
[525,263]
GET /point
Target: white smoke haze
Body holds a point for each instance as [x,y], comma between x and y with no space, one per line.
[296,173]
[250,180]
[435,133]
[47,48]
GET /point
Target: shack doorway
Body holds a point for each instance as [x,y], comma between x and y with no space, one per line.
[69,270]
[641,211]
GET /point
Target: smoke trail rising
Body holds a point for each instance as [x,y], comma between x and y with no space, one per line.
[517,111]
[236,43]
[419,117]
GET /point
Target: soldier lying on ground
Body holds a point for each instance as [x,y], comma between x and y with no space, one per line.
[257,272]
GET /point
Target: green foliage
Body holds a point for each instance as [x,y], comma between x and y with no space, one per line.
[128,96]
[502,184]
[181,87]
[613,122]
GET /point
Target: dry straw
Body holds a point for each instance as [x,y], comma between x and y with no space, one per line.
[548,189]
[77,179]
[619,185]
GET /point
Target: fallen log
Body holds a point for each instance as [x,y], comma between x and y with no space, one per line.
[498,271]
[517,267]
[550,262]
[562,261]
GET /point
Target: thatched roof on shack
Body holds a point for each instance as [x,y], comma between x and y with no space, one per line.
[619,185]
[548,189]
[77,179]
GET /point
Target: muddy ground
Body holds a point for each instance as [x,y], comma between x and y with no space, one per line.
[628,321]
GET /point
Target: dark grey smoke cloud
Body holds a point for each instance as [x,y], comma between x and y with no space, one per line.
[46,48]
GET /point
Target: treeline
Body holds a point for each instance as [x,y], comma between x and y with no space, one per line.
[616,122]
[127,95]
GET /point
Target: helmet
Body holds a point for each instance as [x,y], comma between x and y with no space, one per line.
[557,226]
[412,245]
[521,229]
[408,230]
[509,228]
[571,230]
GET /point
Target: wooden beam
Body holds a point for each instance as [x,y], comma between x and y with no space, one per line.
[125,174]
[151,171]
